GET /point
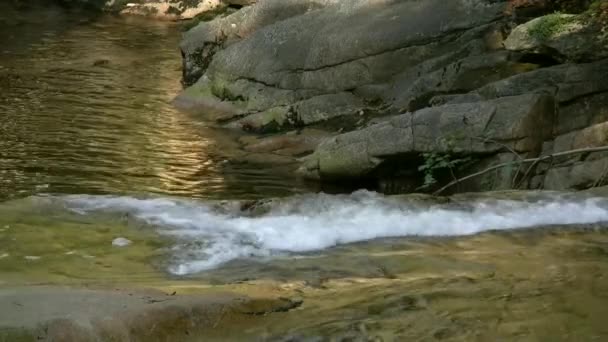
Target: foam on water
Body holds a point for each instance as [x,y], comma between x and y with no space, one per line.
[208,237]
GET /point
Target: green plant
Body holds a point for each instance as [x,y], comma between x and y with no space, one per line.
[435,162]
[597,14]
[550,25]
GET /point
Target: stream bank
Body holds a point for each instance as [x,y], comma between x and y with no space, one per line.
[411,94]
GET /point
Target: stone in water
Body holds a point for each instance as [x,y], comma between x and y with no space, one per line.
[121,242]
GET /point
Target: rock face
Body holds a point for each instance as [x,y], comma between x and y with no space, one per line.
[565,36]
[326,48]
[203,41]
[521,122]
[401,81]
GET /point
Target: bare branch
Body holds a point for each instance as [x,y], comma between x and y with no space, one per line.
[522,161]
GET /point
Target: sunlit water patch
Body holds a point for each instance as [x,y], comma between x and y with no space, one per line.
[85,108]
[209,234]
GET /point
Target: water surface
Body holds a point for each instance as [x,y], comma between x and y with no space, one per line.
[85,114]
[85,108]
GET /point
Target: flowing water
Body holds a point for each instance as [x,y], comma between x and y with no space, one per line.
[92,151]
[85,108]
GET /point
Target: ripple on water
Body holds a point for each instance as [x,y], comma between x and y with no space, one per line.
[82,126]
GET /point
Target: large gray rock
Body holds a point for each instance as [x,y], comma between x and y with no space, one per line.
[323,49]
[346,65]
[584,112]
[202,42]
[567,82]
[315,110]
[592,136]
[347,45]
[519,123]
[290,144]
[565,37]
[462,76]
[582,174]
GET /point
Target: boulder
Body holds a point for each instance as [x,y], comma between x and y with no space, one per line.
[403,79]
[199,99]
[520,123]
[580,175]
[462,76]
[584,112]
[347,45]
[567,82]
[321,51]
[592,136]
[564,37]
[505,178]
[202,42]
[290,144]
[303,113]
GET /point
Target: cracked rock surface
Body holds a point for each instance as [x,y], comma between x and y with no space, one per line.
[361,70]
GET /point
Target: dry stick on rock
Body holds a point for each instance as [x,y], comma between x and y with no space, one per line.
[528,171]
[506,147]
[516,162]
[601,178]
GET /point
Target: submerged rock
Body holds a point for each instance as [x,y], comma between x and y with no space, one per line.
[31,257]
[121,242]
[86,315]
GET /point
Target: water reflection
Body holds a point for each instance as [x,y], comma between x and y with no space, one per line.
[84,108]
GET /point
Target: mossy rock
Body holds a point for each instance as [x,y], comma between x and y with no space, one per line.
[552,25]
[563,37]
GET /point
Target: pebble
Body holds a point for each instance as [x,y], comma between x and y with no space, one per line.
[121,242]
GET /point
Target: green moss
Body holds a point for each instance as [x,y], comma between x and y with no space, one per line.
[551,25]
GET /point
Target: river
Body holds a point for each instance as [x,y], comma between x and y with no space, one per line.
[85,108]
[104,184]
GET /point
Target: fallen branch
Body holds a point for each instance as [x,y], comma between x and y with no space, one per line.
[522,161]
[505,146]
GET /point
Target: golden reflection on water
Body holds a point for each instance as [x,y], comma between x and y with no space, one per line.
[85,108]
